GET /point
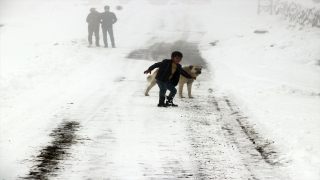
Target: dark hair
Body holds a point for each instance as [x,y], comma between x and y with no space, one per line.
[92,9]
[106,7]
[176,53]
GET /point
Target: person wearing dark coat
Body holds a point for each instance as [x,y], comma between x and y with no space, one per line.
[168,77]
[93,20]
[107,20]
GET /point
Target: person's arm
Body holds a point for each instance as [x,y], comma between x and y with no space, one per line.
[114,18]
[155,65]
[87,18]
[185,74]
[100,17]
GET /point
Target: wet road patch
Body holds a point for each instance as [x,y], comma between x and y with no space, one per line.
[47,162]
[160,51]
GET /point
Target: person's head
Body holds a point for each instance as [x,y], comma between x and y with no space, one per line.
[176,57]
[92,9]
[106,8]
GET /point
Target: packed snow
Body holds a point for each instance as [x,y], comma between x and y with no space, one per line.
[49,75]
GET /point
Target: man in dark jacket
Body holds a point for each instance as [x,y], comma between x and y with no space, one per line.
[168,77]
[107,20]
[93,20]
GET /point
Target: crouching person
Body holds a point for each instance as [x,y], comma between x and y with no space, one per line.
[168,76]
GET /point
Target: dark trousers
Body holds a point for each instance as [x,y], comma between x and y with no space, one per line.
[105,39]
[95,30]
[164,86]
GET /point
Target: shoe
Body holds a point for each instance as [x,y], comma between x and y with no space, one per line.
[98,45]
[105,46]
[169,102]
[113,46]
[161,102]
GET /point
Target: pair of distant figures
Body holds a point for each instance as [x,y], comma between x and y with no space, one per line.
[106,19]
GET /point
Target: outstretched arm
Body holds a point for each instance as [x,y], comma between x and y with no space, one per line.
[147,71]
[155,65]
[185,74]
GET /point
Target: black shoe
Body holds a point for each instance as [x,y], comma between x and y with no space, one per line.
[161,102]
[170,102]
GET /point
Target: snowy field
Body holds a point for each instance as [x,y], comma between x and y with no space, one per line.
[255,115]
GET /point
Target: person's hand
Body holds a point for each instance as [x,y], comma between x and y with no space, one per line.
[147,71]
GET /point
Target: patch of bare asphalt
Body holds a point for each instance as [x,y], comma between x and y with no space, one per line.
[49,158]
[160,51]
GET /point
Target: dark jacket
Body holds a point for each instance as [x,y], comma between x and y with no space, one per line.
[107,19]
[165,68]
[93,19]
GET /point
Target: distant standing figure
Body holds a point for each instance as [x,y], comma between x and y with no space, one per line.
[93,20]
[107,20]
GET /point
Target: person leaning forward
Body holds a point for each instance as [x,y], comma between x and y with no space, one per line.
[93,20]
[107,20]
[168,77]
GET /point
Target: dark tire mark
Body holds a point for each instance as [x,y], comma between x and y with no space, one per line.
[50,156]
[206,147]
[263,146]
[216,105]
[260,156]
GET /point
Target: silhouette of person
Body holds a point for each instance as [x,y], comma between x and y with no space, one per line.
[107,20]
[93,20]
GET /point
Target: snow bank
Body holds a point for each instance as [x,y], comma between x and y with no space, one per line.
[274,79]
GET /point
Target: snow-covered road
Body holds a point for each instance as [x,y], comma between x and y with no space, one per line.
[73,112]
[119,138]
